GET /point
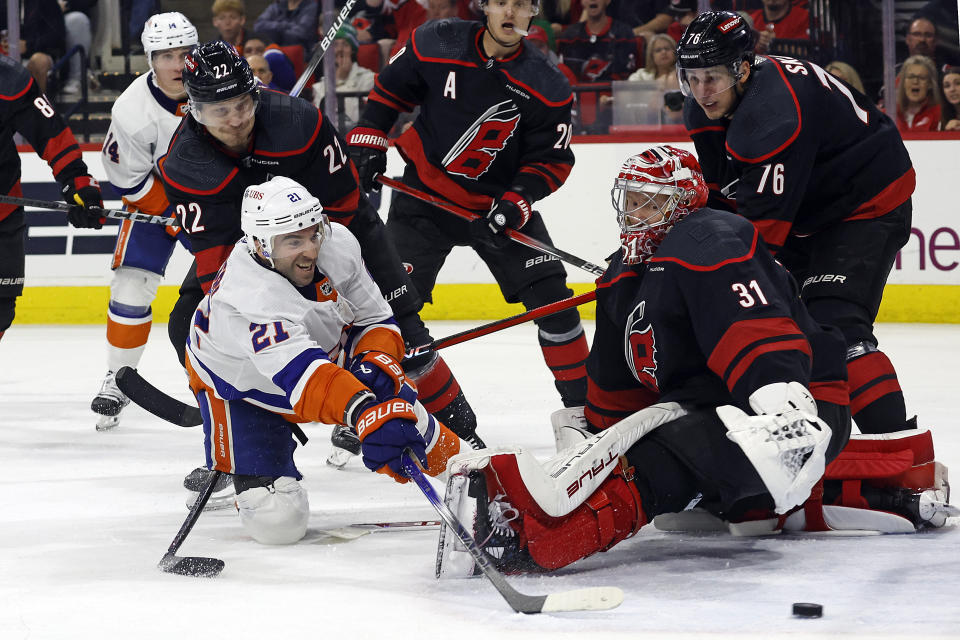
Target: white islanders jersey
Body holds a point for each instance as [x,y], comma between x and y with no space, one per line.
[258,338]
[143,120]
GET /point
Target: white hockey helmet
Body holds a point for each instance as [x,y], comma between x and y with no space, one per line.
[275,208]
[167,31]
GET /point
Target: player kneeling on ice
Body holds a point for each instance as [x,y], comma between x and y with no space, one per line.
[295,330]
[709,381]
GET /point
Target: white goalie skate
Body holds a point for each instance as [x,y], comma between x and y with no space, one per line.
[109,402]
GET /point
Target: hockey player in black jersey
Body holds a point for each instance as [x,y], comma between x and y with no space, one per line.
[492,136]
[710,383]
[237,134]
[820,171]
[25,110]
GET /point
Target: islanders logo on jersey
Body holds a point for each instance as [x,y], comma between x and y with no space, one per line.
[640,346]
[477,148]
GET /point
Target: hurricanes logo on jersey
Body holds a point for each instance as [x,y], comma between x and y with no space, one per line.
[640,346]
[477,148]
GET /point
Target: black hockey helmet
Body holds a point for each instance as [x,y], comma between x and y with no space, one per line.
[214,72]
[715,38]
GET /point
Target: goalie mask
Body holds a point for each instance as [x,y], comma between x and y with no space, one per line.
[652,192]
[273,209]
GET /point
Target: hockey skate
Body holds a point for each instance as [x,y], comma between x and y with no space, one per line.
[488,521]
[223,496]
[346,445]
[109,402]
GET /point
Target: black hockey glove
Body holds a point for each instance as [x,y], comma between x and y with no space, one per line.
[512,210]
[368,150]
[84,193]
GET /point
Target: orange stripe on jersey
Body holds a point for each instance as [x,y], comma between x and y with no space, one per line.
[381,339]
[326,394]
[128,333]
[732,347]
[446,446]
[121,247]
[154,201]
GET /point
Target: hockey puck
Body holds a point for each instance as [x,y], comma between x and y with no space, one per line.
[807,610]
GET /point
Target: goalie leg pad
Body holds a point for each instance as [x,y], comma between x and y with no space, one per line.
[276,513]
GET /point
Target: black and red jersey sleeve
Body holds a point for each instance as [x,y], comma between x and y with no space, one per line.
[739,305]
[547,159]
[333,180]
[27,111]
[398,88]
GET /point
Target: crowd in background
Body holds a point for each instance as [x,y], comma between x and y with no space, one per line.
[597,44]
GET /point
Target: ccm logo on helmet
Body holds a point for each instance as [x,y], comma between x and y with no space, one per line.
[730,24]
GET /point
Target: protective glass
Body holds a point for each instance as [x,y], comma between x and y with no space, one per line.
[221,114]
[703,83]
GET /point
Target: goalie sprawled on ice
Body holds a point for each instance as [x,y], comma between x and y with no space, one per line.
[708,380]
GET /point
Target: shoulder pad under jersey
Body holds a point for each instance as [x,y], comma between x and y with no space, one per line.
[191,163]
[290,122]
[708,239]
[532,70]
[14,78]
[767,119]
[447,39]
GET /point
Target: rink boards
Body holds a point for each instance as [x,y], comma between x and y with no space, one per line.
[68,270]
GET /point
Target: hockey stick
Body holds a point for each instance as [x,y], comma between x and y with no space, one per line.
[513,234]
[135,216]
[506,323]
[590,599]
[147,396]
[195,566]
[321,48]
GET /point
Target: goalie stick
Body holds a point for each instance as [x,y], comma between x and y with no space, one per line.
[135,216]
[513,234]
[196,566]
[590,599]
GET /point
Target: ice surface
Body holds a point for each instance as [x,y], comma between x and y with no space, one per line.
[86,516]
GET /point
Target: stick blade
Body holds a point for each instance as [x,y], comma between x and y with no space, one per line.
[590,599]
[194,566]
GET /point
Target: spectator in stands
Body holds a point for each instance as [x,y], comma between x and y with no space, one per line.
[76,19]
[42,36]
[657,18]
[560,14]
[540,40]
[950,109]
[943,14]
[229,18]
[261,69]
[846,72]
[408,15]
[780,19]
[918,95]
[284,75]
[350,76]
[254,46]
[661,63]
[600,49]
[140,11]
[290,22]
[683,12]
[921,38]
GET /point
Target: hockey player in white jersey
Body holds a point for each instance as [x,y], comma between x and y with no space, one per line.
[292,330]
[144,118]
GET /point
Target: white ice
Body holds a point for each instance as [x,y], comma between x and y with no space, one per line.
[86,516]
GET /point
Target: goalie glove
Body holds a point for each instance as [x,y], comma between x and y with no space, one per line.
[512,210]
[385,430]
[368,150]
